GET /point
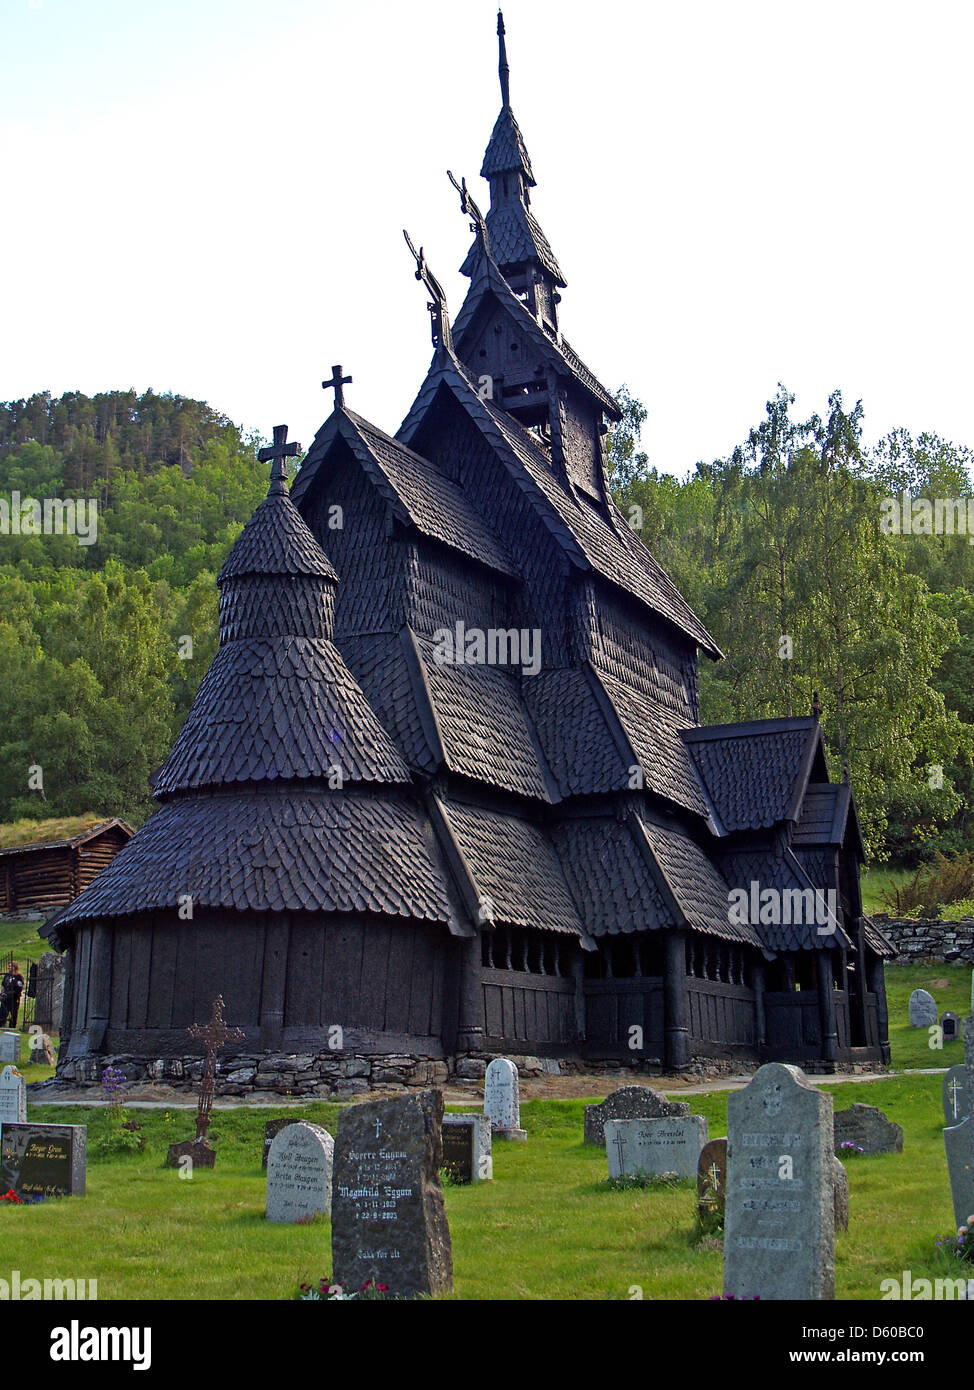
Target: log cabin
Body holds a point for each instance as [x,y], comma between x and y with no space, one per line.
[44,873]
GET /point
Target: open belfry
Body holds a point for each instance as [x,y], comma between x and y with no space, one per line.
[443,793]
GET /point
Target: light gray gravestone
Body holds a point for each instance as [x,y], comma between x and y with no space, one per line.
[956,1103]
[923,1009]
[671,1144]
[388,1221]
[779,1231]
[502,1104]
[467,1147]
[13,1097]
[299,1173]
[629,1103]
[867,1127]
[9,1047]
[959,1144]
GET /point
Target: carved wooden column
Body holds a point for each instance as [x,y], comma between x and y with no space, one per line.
[470,1033]
[826,1007]
[676,1012]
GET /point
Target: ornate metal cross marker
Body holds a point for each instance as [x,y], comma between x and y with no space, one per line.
[337,384]
[213,1035]
[277,452]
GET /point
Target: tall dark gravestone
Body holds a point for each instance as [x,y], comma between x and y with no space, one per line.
[779,1231]
[388,1221]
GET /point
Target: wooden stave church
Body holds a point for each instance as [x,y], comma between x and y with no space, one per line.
[452,861]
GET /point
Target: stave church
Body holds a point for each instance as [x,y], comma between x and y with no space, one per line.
[443,793]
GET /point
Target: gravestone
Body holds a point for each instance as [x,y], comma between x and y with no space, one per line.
[956,1103]
[299,1173]
[502,1104]
[868,1127]
[631,1103]
[712,1177]
[271,1128]
[950,1026]
[467,1147]
[840,1194]
[41,1051]
[779,1229]
[9,1047]
[388,1221]
[923,1009]
[43,1160]
[671,1144]
[13,1097]
[959,1144]
[198,1151]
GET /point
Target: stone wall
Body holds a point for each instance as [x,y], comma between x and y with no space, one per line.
[919,939]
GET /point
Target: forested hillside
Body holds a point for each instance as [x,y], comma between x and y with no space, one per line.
[780,546]
[96,672]
[784,548]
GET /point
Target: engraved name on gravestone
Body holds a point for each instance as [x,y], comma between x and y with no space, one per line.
[502,1104]
[9,1047]
[388,1221]
[671,1144]
[299,1172]
[956,1105]
[467,1147]
[13,1097]
[43,1160]
[629,1103]
[779,1231]
[923,1009]
[868,1128]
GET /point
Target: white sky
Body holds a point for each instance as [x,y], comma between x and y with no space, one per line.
[207,196]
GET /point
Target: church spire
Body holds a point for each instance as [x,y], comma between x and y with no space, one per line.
[502,68]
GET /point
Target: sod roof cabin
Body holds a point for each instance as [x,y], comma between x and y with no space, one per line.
[49,863]
[444,785]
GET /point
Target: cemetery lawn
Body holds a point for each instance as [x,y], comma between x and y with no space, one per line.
[545,1228]
[950,985]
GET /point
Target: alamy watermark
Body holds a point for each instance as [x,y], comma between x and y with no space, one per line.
[18,1289]
[920,516]
[756,906]
[49,516]
[492,646]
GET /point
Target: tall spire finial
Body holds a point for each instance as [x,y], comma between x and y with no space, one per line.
[502,68]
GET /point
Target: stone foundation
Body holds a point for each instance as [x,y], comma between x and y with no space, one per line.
[330,1077]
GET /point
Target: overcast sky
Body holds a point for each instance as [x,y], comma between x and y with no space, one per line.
[208,196]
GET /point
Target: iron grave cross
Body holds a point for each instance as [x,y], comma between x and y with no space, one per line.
[213,1036]
[337,384]
[276,453]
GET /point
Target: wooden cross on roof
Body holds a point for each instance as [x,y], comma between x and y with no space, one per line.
[276,453]
[337,384]
[213,1035]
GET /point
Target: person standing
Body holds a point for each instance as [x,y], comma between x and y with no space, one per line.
[11,988]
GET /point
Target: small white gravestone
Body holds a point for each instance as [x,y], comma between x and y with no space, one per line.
[670,1144]
[13,1097]
[502,1104]
[9,1047]
[299,1171]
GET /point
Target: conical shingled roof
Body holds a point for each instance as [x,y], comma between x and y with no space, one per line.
[276,541]
[506,151]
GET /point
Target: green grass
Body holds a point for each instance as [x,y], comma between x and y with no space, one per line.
[878,881]
[910,1047]
[22,939]
[44,832]
[546,1228]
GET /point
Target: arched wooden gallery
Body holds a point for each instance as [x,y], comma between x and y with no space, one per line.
[444,786]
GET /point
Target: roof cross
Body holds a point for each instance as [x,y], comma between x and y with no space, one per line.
[337,384]
[276,453]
